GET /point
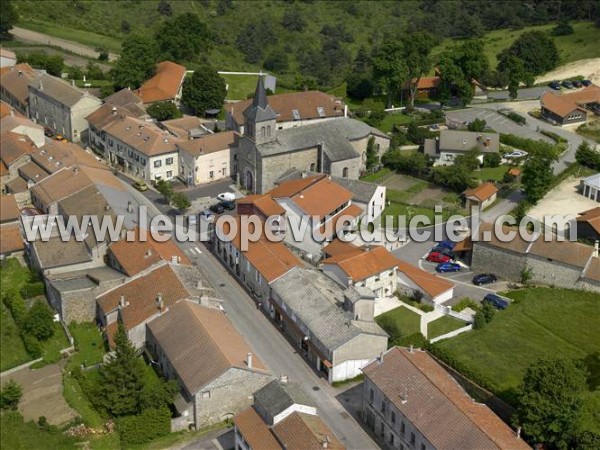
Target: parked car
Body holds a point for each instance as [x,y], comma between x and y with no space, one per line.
[577,83]
[586,83]
[448,244]
[60,137]
[207,214]
[484,278]
[554,85]
[228,205]
[443,250]
[217,208]
[226,196]
[448,267]
[438,258]
[516,154]
[140,185]
[496,301]
[567,84]
[48,132]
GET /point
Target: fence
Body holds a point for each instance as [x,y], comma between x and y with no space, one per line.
[446,310]
[452,333]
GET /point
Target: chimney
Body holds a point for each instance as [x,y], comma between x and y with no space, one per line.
[411,349]
[249,361]
[174,259]
[148,253]
[283,379]
[303,174]
[596,244]
[159,302]
[345,110]
[20,73]
[12,112]
[114,110]
[75,169]
[122,302]
[518,432]
[381,357]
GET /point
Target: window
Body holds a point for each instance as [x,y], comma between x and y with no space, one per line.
[206,394]
[170,174]
[143,162]
[391,438]
[383,406]
[422,446]
[211,174]
[312,167]
[345,172]
[371,396]
[413,438]
[402,428]
[169,161]
[262,132]
[157,163]
[269,131]
[393,418]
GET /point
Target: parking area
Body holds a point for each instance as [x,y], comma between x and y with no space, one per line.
[496,121]
[522,94]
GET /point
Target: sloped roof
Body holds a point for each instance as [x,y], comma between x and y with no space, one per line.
[32,172]
[60,185]
[367,263]
[61,91]
[300,431]
[567,252]
[201,344]
[260,109]
[143,136]
[57,253]
[436,404]
[425,83]
[591,216]
[593,180]
[11,239]
[593,270]
[482,192]
[108,113]
[14,146]
[566,103]
[136,256]
[209,143]
[276,397]
[305,103]
[16,81]
[164,85]
[123,98]
[9,210]
[255,431]
[428,282]
[338,247]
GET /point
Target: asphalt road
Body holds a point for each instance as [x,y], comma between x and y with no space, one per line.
[267,342]
[522,94]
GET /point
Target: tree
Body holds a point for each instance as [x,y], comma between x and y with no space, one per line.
[11,394]
[183,37]
[371,153]
[122,378]
[537,176]
[165,187]
[479,320]
[550,401]
[277,61]
[293,20]
[390,69]
[157,395]
[491,160]
[40,321]
[416,49]
[180,201]
[468,161]
[359,84]
[136,63]
[164,111]
[537,51]
[587,156]
[563,28]
[477,125]
[54,65]
[125,26]
[8,18]
[102,53]
[164,7]
[488,312]
[205,89]
[255,38]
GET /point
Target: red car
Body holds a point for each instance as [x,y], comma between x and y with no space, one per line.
[438,257]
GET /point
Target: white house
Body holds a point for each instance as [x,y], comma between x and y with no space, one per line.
[207,158]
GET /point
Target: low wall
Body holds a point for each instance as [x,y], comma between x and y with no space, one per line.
[452,333]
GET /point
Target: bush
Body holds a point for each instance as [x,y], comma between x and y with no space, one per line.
[32,345]
[477,125]
[417,340]
[40,321]
[142,428]
[10,395]
[14,302]
[491,160]
[32,289]
[517,118]
[464,304]
[528,145]
[479,320]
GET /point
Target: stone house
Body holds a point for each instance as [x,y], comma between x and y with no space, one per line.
[207,158]
[60,106]
[481,196]
[214,366]
[336,147]
[452,143]
[319,317]
[294,109]
[165,86]
[46,194]
[282,417]
[410,401]
[11,239]
[14,87]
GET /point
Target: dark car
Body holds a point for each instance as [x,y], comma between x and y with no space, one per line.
[577,83]
[447,267]
[484,278]
[554,85]
[217,208]
[496,301]
[586,83]
[228,205]
[444,251]
[448,244]
[438,258]
[48,132]
[567,84]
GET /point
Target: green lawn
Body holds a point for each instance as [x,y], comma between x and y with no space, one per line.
[443,325]
[240,86]
[590,131]
[89,344]
[491,173]
[579,45]
[400,321]
[52,347]
[377,176]
[16,434]
[542,323]
[13,351]
[390,120]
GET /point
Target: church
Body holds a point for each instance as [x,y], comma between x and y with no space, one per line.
[264,153]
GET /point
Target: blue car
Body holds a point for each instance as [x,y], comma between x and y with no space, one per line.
[448,244]
[496,301]
[447,267]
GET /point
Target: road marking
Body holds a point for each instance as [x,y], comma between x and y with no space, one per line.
[198,250]
[190,251]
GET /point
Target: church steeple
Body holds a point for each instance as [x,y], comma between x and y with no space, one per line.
[260,119]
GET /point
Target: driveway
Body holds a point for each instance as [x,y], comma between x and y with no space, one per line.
[26,35]
[522,94]
[43,394]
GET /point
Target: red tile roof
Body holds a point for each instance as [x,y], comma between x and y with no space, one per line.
[300,431]
[255,431]
[591,216]
[426,83]
[431,284]
[365,264]
[436,405]
[482,192]
[164,85]
[9,210]
[11,239]
[564,104]
[209,144]
[136,256]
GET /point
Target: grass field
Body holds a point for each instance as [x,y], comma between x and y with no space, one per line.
[13,351]
[491,173]
[443,325]
[579,45]
[400,321]
[541,323]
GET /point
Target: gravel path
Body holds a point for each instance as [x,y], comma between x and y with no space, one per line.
[40,38]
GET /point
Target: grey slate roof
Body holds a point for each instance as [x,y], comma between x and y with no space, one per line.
[317,301]
[334,135]
[83,279]
[260,110]
[276,397]
[362,191]
[456,140]
[56,253]
[123,98]
[355,293]
[593,180]
[58,89]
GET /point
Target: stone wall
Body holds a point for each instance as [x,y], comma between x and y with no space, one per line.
[272,167]
[353,165]
[502,263]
